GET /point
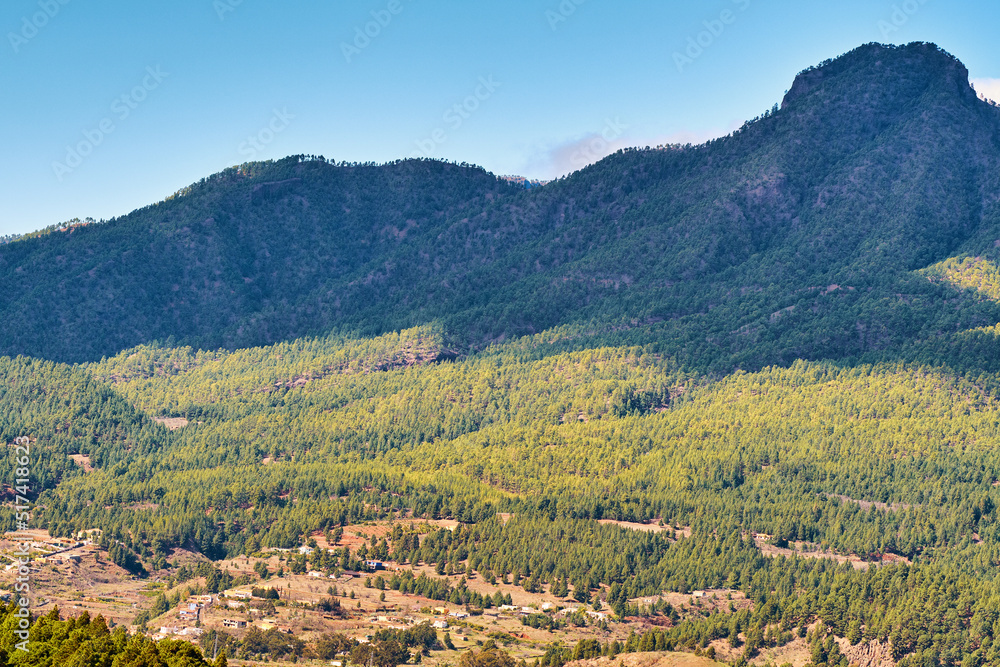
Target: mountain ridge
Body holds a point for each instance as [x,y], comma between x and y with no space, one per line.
[877,163]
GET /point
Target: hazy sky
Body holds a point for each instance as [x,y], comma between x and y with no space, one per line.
[108,106]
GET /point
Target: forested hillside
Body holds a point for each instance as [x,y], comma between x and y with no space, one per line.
[880,460]
[786,338]
[794,237]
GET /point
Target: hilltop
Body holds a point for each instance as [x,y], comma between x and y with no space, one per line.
[796,236]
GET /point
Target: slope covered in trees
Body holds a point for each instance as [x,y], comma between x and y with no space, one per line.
[890,458]
[790,333]
[794,237]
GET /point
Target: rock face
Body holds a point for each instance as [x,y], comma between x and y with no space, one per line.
[870,654]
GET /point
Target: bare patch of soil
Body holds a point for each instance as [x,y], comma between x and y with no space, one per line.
[647,660]
[83,461]
[173,423]
[680,531]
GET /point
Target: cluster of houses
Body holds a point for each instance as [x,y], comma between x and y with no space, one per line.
[54,551]
[507,609]
[346,575]
[268,623]
[57,544]
[372,565]
[524,611]
[395,623]
[63,559]
[401,623]
[264,624]
[192,608]
[191,611]
[443,611]
[235,599]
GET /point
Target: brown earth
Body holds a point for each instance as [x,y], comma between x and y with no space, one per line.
[647,660]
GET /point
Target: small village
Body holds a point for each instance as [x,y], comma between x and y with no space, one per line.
[77,576]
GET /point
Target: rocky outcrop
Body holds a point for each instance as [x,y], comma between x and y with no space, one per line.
[870,654]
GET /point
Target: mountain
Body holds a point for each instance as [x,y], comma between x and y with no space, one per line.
[776,351]
[793,237]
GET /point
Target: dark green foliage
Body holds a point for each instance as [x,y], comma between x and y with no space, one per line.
[222,262]
[257,643]
[794,237]
[71,413]
[489,656]
[788,333]
[421,636]
[125,558]
[83,640]
[330,645]
[386,653]
[264,593]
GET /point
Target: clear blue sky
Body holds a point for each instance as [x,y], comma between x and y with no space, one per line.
[158,94]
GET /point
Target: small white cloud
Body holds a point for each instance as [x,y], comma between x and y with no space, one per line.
[566,157]
[578,153]
[989,88]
